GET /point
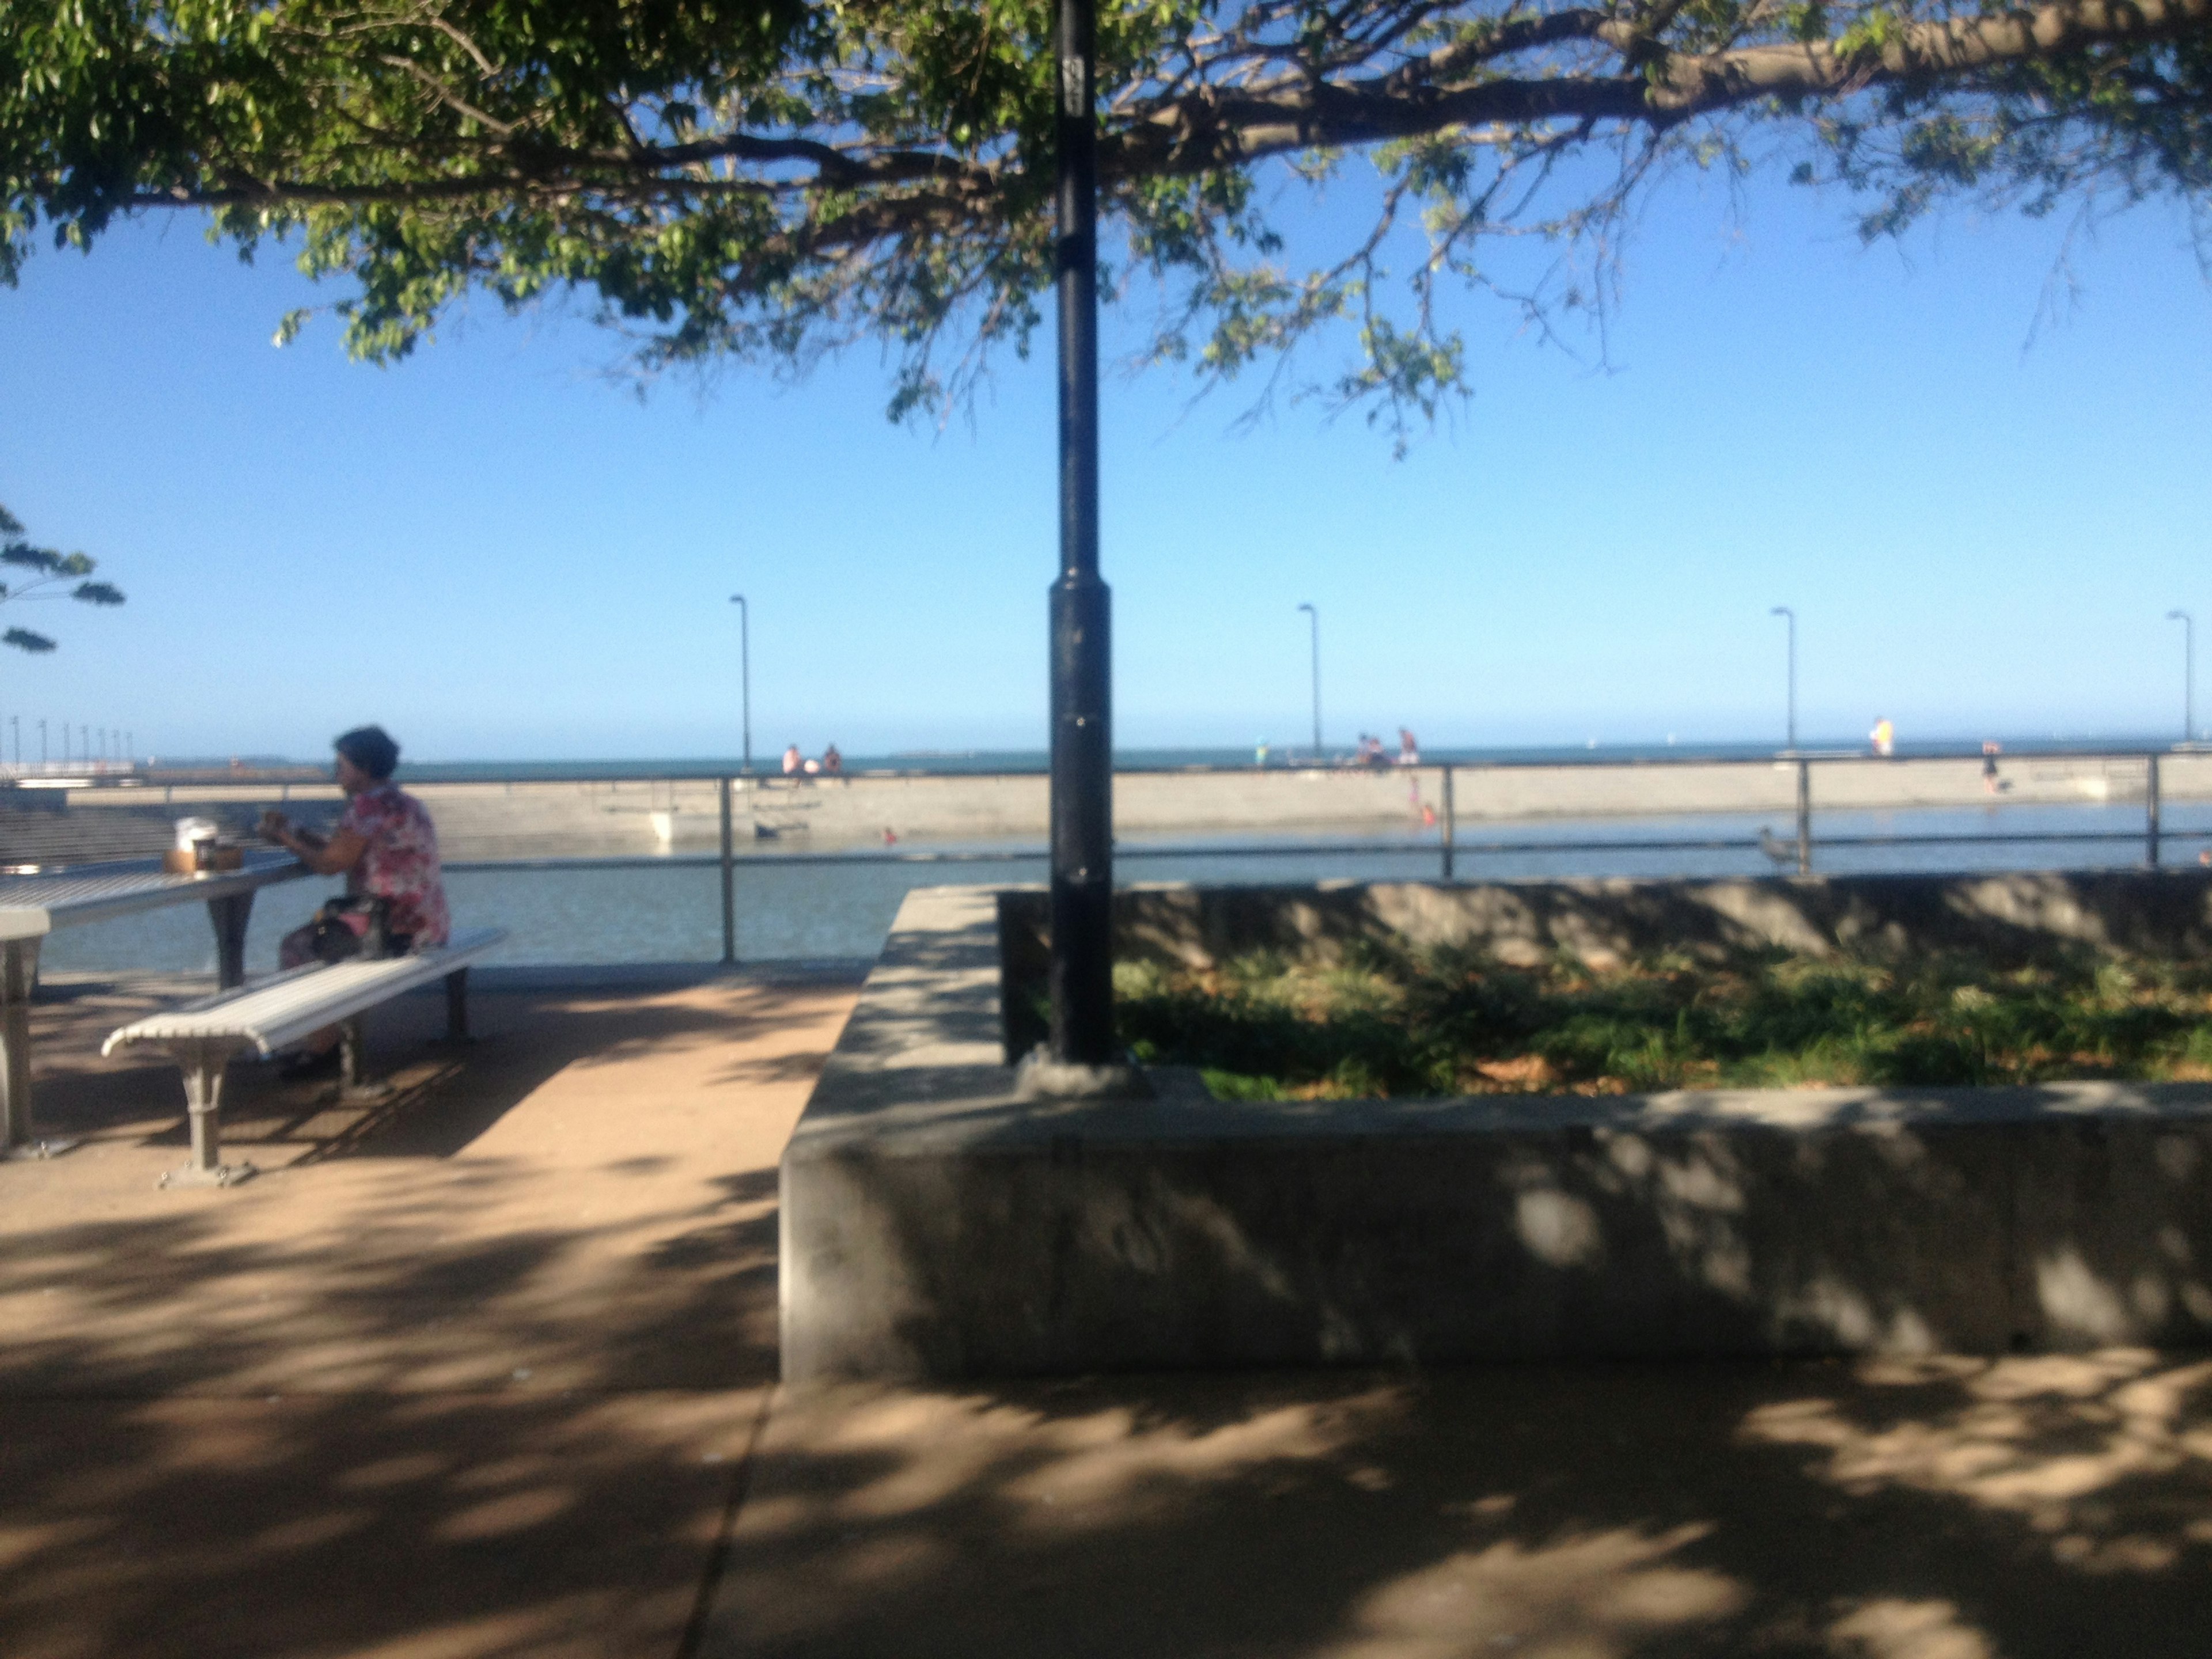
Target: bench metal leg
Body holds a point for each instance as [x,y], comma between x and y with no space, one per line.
[204,1060]
[456,1005]
[353,1085]
[228,917]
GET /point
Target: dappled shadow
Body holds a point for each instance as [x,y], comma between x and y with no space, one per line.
[445,1095]
[317,1525]
[479,1385]
[1584,1510]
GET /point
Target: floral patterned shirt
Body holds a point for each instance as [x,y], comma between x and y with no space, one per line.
[400,862]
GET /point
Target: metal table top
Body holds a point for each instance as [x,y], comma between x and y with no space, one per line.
[30,905]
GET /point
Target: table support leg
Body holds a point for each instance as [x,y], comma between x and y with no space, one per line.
[204,1060]
[229,916]
[18,1136]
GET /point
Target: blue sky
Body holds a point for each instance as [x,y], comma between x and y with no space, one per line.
[500,553]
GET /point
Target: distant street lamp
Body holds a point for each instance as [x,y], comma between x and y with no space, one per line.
[746,669]
[2188,671]
[42,743]
[16,728]
[1785,612]
[1313,616]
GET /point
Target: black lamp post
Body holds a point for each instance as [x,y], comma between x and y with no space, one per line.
[1785,612]
[1314,617]
[2188,671]
[1081,969]
[745,670]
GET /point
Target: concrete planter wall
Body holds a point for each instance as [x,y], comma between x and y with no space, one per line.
[934,1225]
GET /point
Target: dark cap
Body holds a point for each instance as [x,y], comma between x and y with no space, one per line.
[371,749]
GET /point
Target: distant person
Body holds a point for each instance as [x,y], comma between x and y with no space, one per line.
[1883,737]
[792,761]
[832,762]
[1409,748]
[810,766]
[385,845]
[1990,749]
[1260,754]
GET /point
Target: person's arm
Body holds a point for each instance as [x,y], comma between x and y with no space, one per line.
[334,856]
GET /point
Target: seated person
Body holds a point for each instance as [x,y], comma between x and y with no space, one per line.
[832,762]
[384,845]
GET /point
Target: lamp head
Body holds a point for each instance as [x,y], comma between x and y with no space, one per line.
[1782,610]
[2177,615]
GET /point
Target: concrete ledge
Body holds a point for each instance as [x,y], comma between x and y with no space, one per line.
[934,1225]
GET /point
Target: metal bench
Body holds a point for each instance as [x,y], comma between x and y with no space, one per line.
[203,1036]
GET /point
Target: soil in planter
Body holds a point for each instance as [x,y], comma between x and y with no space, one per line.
[1454,1021]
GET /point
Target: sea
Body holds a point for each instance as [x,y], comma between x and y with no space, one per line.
[1593,752]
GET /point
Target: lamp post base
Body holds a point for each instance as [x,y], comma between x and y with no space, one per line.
[1040,1077]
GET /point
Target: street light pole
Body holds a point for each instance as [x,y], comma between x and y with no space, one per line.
[1785,612]
[1080,972]
[745,670]
[1314,617]
[2188,671]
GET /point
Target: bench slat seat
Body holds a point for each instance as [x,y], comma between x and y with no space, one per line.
[282,1010]
[203,1036]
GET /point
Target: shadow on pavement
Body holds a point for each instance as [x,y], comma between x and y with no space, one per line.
[474,1380]
[484,1385]
[2022,1508]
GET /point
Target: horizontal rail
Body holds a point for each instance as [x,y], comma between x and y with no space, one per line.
[1032,854]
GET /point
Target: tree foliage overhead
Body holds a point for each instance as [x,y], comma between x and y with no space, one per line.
[47,570]
[767,179]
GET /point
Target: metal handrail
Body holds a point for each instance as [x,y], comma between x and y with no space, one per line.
[1446,846]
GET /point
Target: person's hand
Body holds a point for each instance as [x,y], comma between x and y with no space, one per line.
[274,825]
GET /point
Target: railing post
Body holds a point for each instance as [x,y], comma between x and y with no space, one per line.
[1804,817]
[1451,824]
[729,878]
[2150,815]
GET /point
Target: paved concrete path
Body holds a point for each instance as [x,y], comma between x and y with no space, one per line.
[472,1375]
[487,1373]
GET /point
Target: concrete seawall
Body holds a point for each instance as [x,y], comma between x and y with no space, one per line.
[642,817]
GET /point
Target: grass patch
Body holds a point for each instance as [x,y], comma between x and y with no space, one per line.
[1454,1021]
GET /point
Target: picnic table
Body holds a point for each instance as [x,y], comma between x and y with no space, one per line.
[32,905]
